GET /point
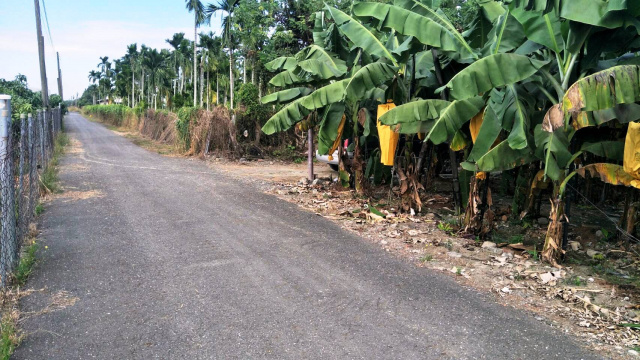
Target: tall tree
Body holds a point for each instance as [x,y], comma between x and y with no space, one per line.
[226,9]
[132,54]
[200,18]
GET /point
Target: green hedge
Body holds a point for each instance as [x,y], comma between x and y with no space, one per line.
[112,114]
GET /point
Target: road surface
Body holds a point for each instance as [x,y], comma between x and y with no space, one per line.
[169,259]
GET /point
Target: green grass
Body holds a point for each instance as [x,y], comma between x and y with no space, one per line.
[9,337]
[516,239]
[426,258]
[39,209]
[49,182]
[25,267]
[575,281]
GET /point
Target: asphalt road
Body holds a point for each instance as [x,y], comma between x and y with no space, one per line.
[177,261]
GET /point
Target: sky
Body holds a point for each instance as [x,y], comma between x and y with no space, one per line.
[82,31]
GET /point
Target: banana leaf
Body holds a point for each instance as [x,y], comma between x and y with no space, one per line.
[424,29]
[506,35]
[553,149]
[368,77]
[519,115]
[298,109]
[453,117]
[435,14]
[609,14]
[534,5]
[623,113]
[328,129]
[281,63]
[311,63]
[286,117]
[459,142]
[286,78]
[325,95]
[604,90]
[285,95]
[608,173]
[360,35]
[491,72]
[541,28]
[613,150]
[489,131]
[416,111]
[501,158]
[424,64]
[313,55]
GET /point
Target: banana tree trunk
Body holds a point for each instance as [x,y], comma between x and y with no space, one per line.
[357,166]
[452,155]
[310,155]
[552,243]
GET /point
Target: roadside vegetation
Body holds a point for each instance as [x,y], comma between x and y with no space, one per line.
[521,100]
[10,334]
[518,117]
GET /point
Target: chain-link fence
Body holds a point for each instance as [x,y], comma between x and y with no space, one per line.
[26,148]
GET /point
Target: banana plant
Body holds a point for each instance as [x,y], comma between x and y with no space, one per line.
[328,86]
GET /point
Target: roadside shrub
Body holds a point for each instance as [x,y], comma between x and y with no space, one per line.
[160,126]
[212,131]
[185,117]
[251,114]
[116,115]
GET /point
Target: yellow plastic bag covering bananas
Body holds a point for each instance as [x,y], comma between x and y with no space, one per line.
[474,128]
[388,137]
[631,160]
[336,142]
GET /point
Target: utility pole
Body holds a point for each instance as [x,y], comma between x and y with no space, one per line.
[59,78]
[43,69]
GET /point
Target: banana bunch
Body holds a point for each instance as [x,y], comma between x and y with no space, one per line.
[305,124]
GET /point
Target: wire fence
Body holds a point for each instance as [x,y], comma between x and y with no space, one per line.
[26,148]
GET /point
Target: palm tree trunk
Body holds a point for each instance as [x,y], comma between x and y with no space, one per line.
[142,85]
[195,64]
[244,70]
[133,87]
[231,76]
[201,78]
[217,89]
[253,71]
[182,80]
[208,90]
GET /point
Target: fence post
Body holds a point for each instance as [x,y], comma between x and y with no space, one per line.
[21,202]
[32,167]
[47,141]
[5,159]
[41,133]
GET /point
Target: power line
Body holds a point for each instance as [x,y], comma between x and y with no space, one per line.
[46,18]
